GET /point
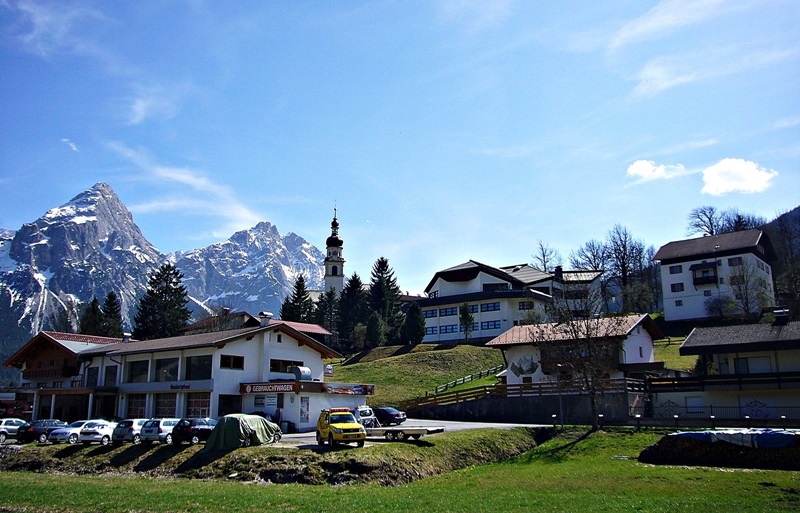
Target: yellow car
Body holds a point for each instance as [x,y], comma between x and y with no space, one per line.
[338,425]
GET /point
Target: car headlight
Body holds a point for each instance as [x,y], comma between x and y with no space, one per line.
[362,430]
[338,431]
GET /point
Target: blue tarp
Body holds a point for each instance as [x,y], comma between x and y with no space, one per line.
[756,438]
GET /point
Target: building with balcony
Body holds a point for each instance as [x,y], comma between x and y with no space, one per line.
[748,371]
[715,276]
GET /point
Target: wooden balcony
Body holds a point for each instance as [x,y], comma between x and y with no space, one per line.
[771,380]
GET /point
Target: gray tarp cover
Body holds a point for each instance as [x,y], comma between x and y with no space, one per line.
[233,430]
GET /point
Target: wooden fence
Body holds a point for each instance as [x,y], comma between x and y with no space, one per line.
[470,378]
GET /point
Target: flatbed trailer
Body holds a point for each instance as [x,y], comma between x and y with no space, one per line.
[403,433]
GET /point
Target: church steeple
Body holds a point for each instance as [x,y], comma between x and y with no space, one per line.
[334,263]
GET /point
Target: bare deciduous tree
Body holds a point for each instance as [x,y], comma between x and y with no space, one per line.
[705,220]
[546,258]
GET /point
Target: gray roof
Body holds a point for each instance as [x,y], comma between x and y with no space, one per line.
[593,328]
[744,338]
[727,242]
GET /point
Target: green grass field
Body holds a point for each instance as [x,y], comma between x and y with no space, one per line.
[573,472]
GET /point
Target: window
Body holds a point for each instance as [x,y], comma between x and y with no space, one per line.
[229,404]
[676,287]
[675,269]
[490,307]
[165,405]
[429,313]
[283,365]
[110,377]
[444,312]
[641,352]
[679,302]
[475,327]
[526,305]
[198,367]
[490,325]
[92,375]
[431,331]
[433,294]
[473,308]
[450,328]
[494,287]
[167,369]
[136,404]
[137,371]
[227,361]
[735,261]
[198,404]
[707,293]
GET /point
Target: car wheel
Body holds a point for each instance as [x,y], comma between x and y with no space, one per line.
[2,438]
[137,439]
[320,440]
[73,438]
[361,443]
[195,440]
[105,440]
[331,441]
[168,440]
[247,442]
[42,438]
[277,437]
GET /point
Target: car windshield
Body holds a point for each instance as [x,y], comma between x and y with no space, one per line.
[77,423]
[365,412]
[125,423]
[342,418]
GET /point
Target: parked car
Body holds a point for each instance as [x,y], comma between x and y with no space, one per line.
[9,427]
[193,430]
[388,415]
[96,431]
[365,416]
[338,425]
[128,430]
[39,430]
[67,434]
[158,430]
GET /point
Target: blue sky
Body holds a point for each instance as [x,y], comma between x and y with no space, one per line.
[443,130]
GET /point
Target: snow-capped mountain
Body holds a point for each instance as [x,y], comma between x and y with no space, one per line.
[90,246]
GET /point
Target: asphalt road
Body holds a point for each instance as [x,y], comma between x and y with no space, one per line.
[309,439]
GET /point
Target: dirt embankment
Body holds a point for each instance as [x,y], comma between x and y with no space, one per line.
[385,463]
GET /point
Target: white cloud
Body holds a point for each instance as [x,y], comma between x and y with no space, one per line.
[647,170]
[72,145]
[736,175]
[198,194]
[667,16]
[476,15]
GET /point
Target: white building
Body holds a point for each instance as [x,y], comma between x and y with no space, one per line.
[498,298]
[698,275]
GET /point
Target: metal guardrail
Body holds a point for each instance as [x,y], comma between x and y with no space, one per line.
[752,412]
[468,379]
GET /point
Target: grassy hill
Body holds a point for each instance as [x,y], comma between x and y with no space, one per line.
[402,372]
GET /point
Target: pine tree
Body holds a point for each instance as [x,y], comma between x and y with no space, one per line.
[353,311]
[91,322]
[385,298]
[376,331]
[413,329]
[162,310]
[466,321]
[326,312]
[112,316]
[298,307]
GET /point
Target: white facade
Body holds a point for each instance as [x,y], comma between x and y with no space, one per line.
[493,311]
[251,372]
[687,290]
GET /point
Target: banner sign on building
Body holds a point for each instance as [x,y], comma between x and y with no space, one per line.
[266,388]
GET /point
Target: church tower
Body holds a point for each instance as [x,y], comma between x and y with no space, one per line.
[334,263]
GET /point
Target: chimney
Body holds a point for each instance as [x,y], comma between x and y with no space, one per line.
[126,337]
[265,318]
[226,311]
[781,317]
[559,273]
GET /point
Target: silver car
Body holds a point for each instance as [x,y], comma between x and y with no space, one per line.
[158,430]
[96,431]
[67,434]
[128,430]
[9,427]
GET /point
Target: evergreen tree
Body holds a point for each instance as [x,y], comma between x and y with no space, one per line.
[413,329]
[112,316]
[385,298]
[298,307]
[466,321]
[376,331]
[353,311]
[162,310]
[326,313]
[91,322]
